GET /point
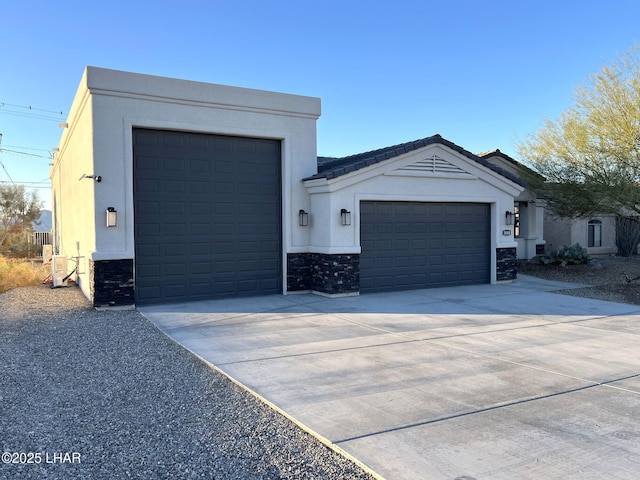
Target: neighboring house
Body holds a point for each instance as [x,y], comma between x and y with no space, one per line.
[538,230]
[597,233]
[168,190]
[529,210]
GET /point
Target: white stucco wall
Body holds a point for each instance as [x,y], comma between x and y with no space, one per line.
[385,182]
[109,104]
[73,212]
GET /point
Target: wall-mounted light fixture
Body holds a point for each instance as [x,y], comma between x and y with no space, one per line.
[112,217]
[509,217]
[97,178]
[345,217]
[303,218]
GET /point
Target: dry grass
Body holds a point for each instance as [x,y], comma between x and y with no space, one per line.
[21,273]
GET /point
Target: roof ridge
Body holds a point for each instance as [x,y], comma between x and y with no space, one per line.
[333,167]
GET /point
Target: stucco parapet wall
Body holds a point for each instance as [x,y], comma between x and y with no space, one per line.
[102,81]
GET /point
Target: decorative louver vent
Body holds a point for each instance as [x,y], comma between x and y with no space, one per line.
[432,165]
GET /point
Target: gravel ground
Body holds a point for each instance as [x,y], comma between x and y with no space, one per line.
[110,390]
[606,283]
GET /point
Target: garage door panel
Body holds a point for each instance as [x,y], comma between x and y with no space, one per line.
[173,186]
[419,228]
[148,271]
[198,187]
[147,293]
[146,137]
[153,250]
[174,229]
[200,208]
[173,164]
[435,278]
[175,291]
[451,259]
[224,167]
[437,263]
[409,245]
[220,199]
[145,185]
[401,244]
[400,262]
[435,210]
[148,230]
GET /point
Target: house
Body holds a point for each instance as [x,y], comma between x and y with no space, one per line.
[538,231]
[597,233]
[529,209]
[168,190]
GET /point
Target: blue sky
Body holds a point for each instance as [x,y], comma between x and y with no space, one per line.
[481,74]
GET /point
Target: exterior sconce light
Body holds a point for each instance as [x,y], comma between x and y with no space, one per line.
[97,178]
[303,218]
[112,217]
[509,217]
[345,217]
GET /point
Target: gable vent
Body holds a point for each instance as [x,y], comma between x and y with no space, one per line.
[430,166]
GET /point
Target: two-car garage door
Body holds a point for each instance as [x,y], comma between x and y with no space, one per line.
[410,245]
[207,216]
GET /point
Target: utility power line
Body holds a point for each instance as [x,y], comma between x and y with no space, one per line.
[2,164]
[23,154]
[28,148]
[29,107]
[30,112]
[28,184]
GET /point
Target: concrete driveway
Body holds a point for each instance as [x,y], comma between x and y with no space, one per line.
[485,382]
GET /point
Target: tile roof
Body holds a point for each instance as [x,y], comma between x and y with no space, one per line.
[332,167]
[520,166]
[498,153]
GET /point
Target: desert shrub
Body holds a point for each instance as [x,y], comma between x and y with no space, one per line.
[20,273]
[575,255]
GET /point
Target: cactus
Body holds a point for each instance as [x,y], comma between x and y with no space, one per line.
[574,255]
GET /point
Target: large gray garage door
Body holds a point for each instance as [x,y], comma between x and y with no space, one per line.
[409,245]
[207,216]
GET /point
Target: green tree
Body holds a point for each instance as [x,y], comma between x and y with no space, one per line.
[590,156]
[18,209]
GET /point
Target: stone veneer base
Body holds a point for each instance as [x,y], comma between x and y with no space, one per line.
[326,274]
[111,283]
[506,265]
[336,275]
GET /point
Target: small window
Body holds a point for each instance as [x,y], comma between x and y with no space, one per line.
[516,222]
[594,232]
